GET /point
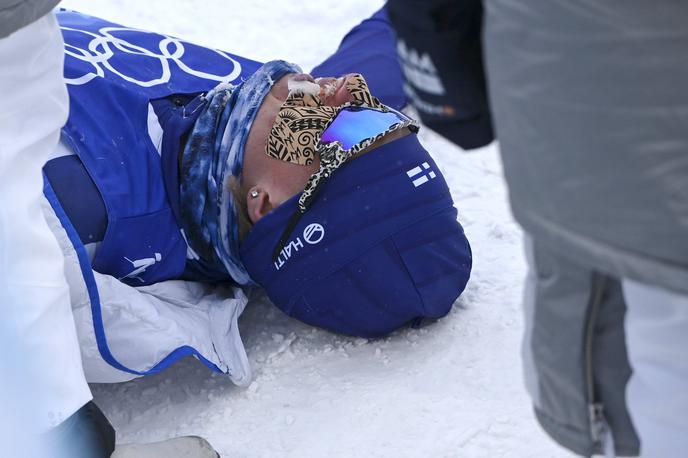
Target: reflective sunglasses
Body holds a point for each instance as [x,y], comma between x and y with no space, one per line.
[356,124]
[351,131]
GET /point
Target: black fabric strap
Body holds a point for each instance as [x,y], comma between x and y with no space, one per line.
[289,228]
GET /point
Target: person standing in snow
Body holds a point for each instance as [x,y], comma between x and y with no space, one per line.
[33,291]
[589,105]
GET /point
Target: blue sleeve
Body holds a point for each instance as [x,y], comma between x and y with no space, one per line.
[369,49]
[440,49]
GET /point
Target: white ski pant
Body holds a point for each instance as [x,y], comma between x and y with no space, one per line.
[34,296]
[657,393]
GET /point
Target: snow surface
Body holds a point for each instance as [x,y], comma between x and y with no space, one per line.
[453,389]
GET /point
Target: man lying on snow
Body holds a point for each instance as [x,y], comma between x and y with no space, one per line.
[186,173]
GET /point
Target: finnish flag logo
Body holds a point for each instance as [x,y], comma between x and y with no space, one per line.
[423,174]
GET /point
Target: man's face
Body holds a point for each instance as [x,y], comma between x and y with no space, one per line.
[274,180]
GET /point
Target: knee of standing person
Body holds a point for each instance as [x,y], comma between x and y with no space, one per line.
[85,434]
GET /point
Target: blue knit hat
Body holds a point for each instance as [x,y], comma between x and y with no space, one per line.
[379,247]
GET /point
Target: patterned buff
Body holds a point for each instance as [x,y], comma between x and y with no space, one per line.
[303,117]
[212,158]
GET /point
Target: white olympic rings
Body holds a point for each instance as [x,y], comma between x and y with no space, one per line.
[99,53]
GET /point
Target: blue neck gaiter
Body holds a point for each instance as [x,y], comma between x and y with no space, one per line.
[213,155]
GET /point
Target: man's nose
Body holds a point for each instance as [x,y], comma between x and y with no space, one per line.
[303,77]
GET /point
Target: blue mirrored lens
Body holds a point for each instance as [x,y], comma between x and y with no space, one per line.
[355,124]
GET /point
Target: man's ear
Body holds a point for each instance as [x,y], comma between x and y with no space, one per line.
[258,203]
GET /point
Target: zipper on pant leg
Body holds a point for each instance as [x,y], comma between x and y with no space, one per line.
[599,429]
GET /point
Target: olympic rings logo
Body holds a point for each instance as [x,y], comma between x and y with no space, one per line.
[100,50]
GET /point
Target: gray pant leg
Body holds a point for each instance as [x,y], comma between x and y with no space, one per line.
[574,351]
